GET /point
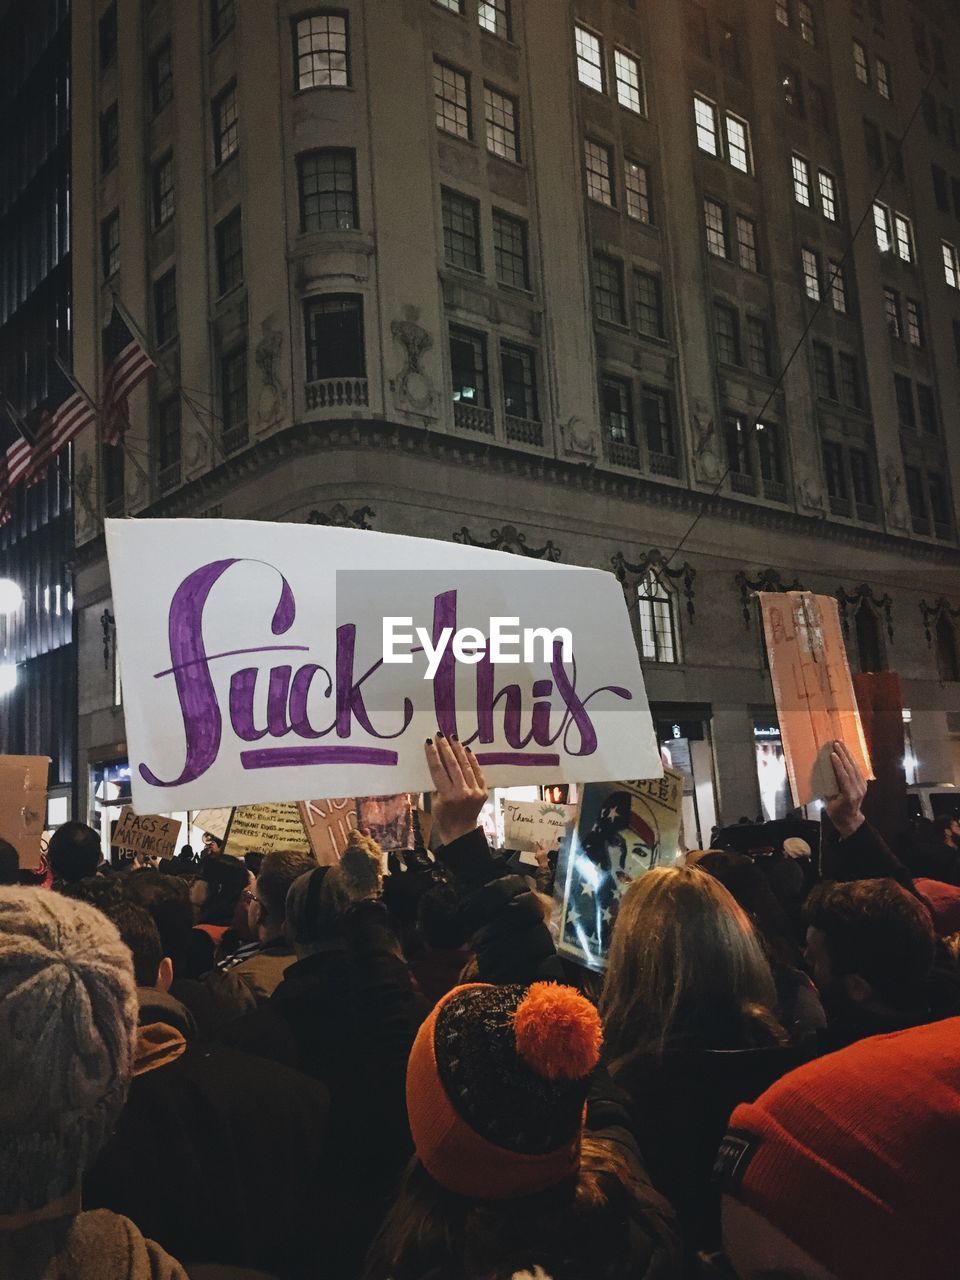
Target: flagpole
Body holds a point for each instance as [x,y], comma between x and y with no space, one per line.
[99,413]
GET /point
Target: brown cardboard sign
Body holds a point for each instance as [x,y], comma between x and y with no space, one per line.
[328,824]
[23,804]
[146,834]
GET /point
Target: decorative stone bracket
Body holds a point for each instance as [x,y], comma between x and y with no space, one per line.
[683,575]
[509,539]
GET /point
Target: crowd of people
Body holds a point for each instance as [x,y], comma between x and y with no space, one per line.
[278,1069]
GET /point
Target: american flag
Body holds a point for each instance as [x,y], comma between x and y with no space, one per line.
[58,419]
[125,365]
[14,459]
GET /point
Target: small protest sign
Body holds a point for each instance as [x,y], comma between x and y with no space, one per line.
[529,823]
[214,821]
[328,824]
[266,828]
[147,835]
[816,704]
[623,830]
[23,804]
[388,820]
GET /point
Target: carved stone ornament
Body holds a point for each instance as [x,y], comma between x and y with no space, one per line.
[412,385]
[932,613]
[811,494]
[200,453]
[139,488]
[707,460]
[766,580]
[896,508]
[338,517]
[108,630]
[83,488]
[509,539]
[578,440]
[683,574]
[272,401]
[852,600]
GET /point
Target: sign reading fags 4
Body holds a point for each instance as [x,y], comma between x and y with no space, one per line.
[259,664]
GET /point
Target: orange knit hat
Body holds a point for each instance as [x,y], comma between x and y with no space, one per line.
[855,1156]
[497,1085]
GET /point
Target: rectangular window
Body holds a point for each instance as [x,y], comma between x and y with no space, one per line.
[107,37]
[808,28]
[451,100]
[589,60]
[873,144]
[597,160]
[168,438]
[941,190]
[916,500]
[616,406]
[801,180]
[165,308]
[819,111]
[915,325]
[229,252]
[164,196]
[824,372]
[811,273]
[828,195]
[109,138]
[884,82]
[657,426]
[792,90]
[905,410]
[903,237]
[110,244]
[838,287]
[738,143]
[781,9]
[455,6]
[518,375]
[834,471]
[727,326]
[636,184]
[758,346]
[494,16]
[951,264]
[895,152]
[222,17]
[747,243]
[927,406]
[226,124]
[715,220]
[649,294]
[851,385]
[333,324]
[322,52]
[608,289]
[233,389]
[461,230]
[881,222]
[861,67]
[737,441]
[500,118]
[328,190]
[861,474]
[628,74]
[891,307]
[468,366]
[161,77]
[770,453]
[510,250]
[939,505]
[730,51]
[705,116]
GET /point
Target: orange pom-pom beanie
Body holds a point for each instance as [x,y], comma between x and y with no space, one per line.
[497,1085]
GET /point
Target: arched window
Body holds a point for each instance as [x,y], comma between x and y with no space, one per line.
[947,662]
[659,636]
[869,643]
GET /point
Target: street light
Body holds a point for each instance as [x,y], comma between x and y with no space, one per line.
[11,597]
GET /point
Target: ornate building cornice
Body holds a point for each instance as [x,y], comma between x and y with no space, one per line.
[766,580]
[683,574]
[848,600]
[338,517]
[509,539]
[932,613]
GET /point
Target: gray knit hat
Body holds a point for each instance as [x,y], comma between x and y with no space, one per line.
[68,1022]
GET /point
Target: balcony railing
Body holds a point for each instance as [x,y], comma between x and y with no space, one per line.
[663,464]
[775,491]
[169,477]
[741,483]
[524,430]
[623,455]
[840,506]
[470,417]
[235,438]
[337,393]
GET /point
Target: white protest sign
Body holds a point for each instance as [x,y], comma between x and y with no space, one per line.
[272,662]
[527,823]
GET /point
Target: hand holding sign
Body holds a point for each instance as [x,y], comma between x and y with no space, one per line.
[461,791]
[844,809]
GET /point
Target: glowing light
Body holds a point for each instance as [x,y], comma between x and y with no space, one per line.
[8,677]
[11,597]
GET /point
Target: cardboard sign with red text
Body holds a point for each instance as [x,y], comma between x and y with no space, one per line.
[816,704]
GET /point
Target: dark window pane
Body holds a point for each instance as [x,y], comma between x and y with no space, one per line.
[519,382]
[468,363]
[165,307]
[230,252]
[328,190]
[334,329]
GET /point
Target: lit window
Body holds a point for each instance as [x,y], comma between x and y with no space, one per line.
[494,16]
[782,11]
[891,308]
[828,195]
[758,346]
[727,329]
[510,250]
[451,100]
[500,116]
[461,230]
[811,274]
[903,235]
[468,363]
[455,6]
[616,408]
[915,327]
[649,293]
[608,289]
[589,59]
[636,179]
[705,114]
[884,86]
[747,243]
[807,28]
[599,178]
[801,180]
[226,124]
[861,68]
[629,78]
[881,222]
[838,288]
[658,640]
[715,221]
[738,143]
[328,190]
[321,51]
[951,265]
